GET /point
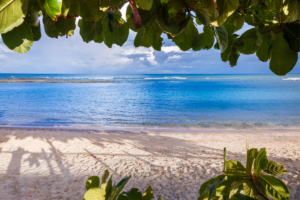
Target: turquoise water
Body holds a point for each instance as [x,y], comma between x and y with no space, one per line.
[152,100]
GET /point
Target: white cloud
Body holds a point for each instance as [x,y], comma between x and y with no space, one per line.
[170,49]
[174,57]
[142,58]
[186,67]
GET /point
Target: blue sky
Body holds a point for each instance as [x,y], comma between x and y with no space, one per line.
[73,56]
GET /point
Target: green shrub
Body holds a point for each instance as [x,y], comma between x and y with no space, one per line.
[256,181]
[110,191]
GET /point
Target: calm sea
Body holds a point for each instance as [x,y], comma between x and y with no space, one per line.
[152,100]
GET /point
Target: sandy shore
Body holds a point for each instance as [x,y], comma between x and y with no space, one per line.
[54,163]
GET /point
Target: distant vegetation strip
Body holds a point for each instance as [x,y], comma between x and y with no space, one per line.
[51,81]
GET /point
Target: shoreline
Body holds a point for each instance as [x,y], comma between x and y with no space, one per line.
[150,128]
[54,163]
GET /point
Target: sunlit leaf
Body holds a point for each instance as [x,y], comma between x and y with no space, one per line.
[222,37]
[12,14]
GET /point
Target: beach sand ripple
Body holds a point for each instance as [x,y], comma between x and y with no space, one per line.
[51,164]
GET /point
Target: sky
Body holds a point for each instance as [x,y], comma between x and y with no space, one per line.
[73,56]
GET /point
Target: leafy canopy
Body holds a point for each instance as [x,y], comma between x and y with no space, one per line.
[274,36]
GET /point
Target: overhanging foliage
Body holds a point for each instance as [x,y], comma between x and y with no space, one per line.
[275,35]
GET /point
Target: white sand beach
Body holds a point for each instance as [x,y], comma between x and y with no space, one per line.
[40,164]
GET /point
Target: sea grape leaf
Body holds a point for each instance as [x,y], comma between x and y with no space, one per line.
[208,37]
[239,196]
[234,56]
[149,35]
[89,10]
[249,189]
[36,32]
[118,36]
[12,14]
[70,8]
[172,27]
[119,187]
[148,194]
[251,40]
[236,20]
[33,14]
[263,53]
[144,4]
[52,7]
[251,155]
[133,194]
[91,30]
[233,167]
[108,188]
[274,187]
[275,169]
[226,8]
[94,194]
[261,162]
[63,26]
[222,37]
[282,58]
[19,39]
[92,182]
[187,38]
[205,186]
[292,35]
[203,16]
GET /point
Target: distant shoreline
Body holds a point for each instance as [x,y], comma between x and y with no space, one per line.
[151,129]
[45,81]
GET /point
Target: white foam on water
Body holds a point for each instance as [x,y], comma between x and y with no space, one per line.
[291,79]
[179,77]
[156,78]
[103,78]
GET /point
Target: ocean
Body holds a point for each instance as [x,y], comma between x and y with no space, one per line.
[193,101]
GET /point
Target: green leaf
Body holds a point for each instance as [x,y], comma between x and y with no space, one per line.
[133,194]
[222,37]
[119,187]
[234,56]
[249,189]
[274,187]
[275,169]
[144,4]
[282,58]
[226,8]
[70,8]
[230,182]
[187,38]
[233,167]
[92,182]
[19,39]
[159,198]
[261,162]
[236,20]
[292,35]
[52,8]
[12,14]
[36,32]
[208,37]
[108,189]
[63,26]
[251,41]
[149,35]
[208,188]
[94,194]
[119,36]
[173,26]
[91,30]
[203,16]
[251,155]
[89,10]
[240,196]
[263,53]
[148,195]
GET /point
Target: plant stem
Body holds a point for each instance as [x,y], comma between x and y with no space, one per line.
[259,192]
